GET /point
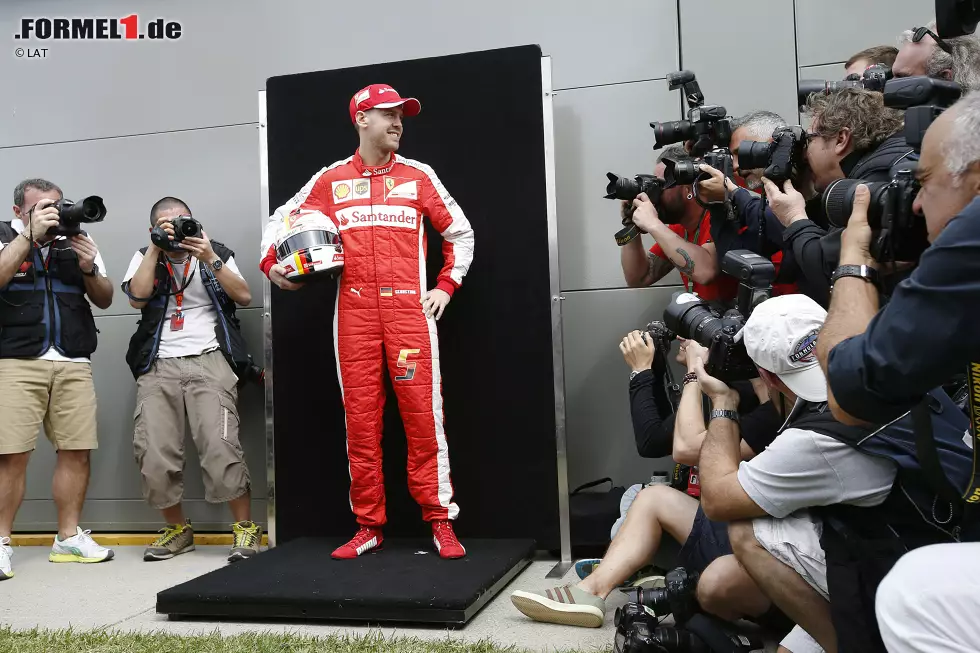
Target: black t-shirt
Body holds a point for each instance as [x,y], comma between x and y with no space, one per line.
[654,433]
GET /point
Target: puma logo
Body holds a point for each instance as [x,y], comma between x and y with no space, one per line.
[356,291]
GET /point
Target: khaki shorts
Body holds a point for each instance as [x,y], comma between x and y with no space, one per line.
[58,395]
[202,391]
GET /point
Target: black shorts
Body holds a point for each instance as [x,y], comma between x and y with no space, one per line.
[707,542]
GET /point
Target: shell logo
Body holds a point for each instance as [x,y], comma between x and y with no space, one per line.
[341,191]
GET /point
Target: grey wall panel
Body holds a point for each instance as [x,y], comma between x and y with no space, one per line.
[594,43]
[109,88]
[833,30]
[600,130]
[216,171]
[759,69]
[115,476]
[599,431]
[830,71]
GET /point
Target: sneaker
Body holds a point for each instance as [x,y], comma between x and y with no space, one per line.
[80,547]
[367,539]
[248,538]
[647,577]
[445,540]
[567,605]
[6,568]
[175,539]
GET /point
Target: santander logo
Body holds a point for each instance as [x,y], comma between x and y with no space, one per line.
[383,216]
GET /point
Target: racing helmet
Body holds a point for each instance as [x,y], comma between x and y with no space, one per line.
[310,247]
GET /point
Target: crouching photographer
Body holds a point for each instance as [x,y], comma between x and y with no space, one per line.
[882,364]
[188,357]
[714,582]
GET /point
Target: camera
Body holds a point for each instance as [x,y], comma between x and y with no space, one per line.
[72,214]
[638,629]
[693,318]
[708,126]
[184,227]
[687,173]
[625,188]
[956,17]
[782,158]
[898,234]
[874,78]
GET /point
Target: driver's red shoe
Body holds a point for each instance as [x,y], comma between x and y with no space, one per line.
[445,540]
[367,539]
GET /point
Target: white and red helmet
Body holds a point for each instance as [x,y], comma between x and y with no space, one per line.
[310,247]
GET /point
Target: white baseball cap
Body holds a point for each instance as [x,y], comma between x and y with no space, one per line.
[781,337]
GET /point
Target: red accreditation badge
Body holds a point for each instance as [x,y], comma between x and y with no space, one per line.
[694,482]
[177,321]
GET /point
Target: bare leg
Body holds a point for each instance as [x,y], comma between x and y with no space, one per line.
[68,487]
[726,590]
[784,586]
[174,514]
[13,481]
[656,509]
[241,508]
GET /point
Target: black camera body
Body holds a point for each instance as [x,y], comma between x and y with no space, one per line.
[71,215]
[782,158]
[184,227]
[898,234]
[691,317]
[625,188]
[707,125]
[687,173]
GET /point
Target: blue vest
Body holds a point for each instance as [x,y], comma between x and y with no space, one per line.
[44,305]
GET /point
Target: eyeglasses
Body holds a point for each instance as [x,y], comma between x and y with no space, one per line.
[919,33]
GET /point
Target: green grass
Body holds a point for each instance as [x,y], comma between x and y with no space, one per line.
[104,641]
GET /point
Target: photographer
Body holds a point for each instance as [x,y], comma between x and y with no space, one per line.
[47,335]
[186,290]
[924,53]
[683,239]
[877,55]
[804,467]
[723,588]
[853,135]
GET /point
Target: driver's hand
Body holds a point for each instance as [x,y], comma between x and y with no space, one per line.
[277,275]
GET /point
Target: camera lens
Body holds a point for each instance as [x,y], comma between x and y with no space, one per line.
[693,319]
[838,201]
[668,133]
[753,155]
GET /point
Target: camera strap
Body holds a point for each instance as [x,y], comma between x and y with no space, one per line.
[973,403]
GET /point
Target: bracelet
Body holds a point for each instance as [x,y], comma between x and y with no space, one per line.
[725,414]
[690,377]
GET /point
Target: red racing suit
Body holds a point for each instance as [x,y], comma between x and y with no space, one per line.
[379,316]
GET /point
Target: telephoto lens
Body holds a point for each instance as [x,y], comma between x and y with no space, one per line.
[838,201]
[90,209]
[754,155]
[676,131]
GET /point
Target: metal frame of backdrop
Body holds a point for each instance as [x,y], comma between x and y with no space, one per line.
[556,325]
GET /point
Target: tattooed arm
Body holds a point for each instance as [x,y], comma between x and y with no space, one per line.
[699,263]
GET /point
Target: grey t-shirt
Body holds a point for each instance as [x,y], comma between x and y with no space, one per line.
[801,469]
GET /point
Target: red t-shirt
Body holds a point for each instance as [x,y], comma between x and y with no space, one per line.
[723,287]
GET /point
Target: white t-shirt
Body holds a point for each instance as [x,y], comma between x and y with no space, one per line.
[200,316]
[802,469]
[53,354]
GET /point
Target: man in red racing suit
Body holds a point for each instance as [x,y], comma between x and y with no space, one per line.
[384,312]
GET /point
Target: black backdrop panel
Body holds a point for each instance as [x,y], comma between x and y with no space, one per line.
[482,130]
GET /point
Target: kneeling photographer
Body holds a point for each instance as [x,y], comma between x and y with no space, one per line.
[881,364]
[188,357]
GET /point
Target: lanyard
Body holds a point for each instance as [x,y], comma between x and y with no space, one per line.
[180,295]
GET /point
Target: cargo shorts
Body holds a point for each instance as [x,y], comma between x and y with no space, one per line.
[200,391]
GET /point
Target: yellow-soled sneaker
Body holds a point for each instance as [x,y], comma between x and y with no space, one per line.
[248,538]
[80,547]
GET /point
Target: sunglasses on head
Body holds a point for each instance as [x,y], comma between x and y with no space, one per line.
[919,33]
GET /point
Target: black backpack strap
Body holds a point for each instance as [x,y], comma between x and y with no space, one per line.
[709,630]
[925,449]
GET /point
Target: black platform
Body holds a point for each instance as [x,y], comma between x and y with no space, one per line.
[406,582]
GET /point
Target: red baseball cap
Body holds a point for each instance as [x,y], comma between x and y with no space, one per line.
[382,96]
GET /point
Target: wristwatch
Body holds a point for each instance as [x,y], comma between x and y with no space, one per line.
[865,272]
[94,272]
[634,373]
[217,264]
[726,414]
